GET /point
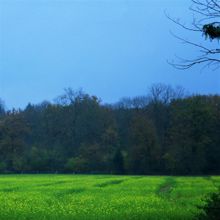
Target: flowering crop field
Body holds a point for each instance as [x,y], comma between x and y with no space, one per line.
[65,197]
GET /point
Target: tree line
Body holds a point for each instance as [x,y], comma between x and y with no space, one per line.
[164,132]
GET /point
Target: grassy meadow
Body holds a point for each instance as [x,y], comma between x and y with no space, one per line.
[64,197]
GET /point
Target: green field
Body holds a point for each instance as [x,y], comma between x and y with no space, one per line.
[102,197]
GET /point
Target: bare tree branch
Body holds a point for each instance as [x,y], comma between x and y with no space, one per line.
[206,21]
[177,21]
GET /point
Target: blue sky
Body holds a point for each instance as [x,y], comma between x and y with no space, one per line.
[110,48]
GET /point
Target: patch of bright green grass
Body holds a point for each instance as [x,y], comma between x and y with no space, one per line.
[73,197]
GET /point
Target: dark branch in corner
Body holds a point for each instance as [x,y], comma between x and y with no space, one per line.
[208,24]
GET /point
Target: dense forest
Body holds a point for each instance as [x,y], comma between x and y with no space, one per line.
[165,132]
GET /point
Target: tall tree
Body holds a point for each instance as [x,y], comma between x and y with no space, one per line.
[145,152]
[190,134]
[13,134]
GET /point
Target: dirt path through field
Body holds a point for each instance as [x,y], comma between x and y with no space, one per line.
[166,188]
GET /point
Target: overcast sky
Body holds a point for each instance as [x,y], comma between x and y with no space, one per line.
[110,48]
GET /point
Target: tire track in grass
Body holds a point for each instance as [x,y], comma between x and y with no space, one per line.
[52,183]
[166,187]
[211,180]
[110,183]
[215,182]
[10,189]
[65,192]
